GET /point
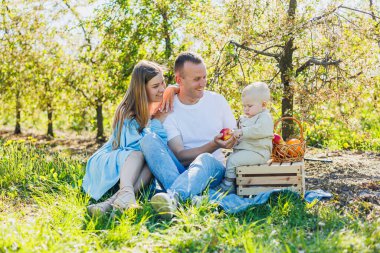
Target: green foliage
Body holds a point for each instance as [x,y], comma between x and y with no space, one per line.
[353,128]
[79,71]
[43,209]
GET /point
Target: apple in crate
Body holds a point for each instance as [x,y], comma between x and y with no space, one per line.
[277,139]
[227,133]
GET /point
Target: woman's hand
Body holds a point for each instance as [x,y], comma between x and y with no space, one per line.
[168,98]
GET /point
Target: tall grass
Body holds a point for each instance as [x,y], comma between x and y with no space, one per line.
[43,209]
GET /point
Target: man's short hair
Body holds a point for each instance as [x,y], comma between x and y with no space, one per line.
[184,57]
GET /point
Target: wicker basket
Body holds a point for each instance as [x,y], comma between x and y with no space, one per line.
[289,152]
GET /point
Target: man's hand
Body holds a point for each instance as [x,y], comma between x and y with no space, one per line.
[168,98]
[186,156]
[224,144]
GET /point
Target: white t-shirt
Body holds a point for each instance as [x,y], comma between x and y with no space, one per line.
[198,124]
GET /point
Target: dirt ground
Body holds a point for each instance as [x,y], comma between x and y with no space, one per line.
[352,176]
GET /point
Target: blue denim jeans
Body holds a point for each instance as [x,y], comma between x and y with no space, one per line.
[191,181]
[173,176]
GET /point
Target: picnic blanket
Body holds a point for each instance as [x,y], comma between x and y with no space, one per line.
[233,203]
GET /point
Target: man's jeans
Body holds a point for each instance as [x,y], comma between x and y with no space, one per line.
[204,170]
[172,175]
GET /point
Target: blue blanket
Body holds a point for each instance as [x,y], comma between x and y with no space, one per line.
[234,204]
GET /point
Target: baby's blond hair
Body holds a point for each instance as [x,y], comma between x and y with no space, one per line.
[258,91]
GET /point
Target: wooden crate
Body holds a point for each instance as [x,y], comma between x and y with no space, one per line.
[251,180]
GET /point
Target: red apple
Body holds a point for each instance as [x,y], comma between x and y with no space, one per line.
[278,139]
[227,133]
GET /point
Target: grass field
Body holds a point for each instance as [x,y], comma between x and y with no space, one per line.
[43,209]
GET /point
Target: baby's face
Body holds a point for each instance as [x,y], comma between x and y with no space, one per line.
[251,107]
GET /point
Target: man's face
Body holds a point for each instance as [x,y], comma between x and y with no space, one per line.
[192,81]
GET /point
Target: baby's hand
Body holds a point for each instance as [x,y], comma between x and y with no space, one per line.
[238,133]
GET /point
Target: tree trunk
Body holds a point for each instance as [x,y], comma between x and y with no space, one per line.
[286,69]
[99,123]
[168,43]
[18,113]
[168,46]
[50,132]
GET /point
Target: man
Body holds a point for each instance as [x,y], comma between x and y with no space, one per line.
[194,159]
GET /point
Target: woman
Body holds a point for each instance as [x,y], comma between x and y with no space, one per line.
[120,158]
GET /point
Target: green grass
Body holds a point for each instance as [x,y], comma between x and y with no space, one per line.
[43,209]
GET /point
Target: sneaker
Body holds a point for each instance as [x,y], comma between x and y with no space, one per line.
[165,204]
[101,208]
[125,199]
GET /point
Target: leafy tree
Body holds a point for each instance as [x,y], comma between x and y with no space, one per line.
[299,49]
[17,32]
[146,29]
[48,84]
[94,70]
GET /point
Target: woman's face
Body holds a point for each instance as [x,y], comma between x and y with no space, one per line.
[155,88]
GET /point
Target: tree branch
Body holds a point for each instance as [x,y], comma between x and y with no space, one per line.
[261,52]
[272,79]
[340,7]
[314,61]
[85,34]
[241,66]
[67,79]
[324,14]
[373,18]
[364,12]
[349,21]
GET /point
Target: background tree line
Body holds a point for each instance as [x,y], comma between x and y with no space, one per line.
[62,70]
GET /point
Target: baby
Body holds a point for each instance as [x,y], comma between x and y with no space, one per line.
[254,134]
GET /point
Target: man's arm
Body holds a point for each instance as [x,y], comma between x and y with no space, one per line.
[186,156]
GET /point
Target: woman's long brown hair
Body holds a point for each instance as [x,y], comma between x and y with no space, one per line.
[135,101]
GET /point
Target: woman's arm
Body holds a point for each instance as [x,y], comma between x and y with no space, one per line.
[168,98]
